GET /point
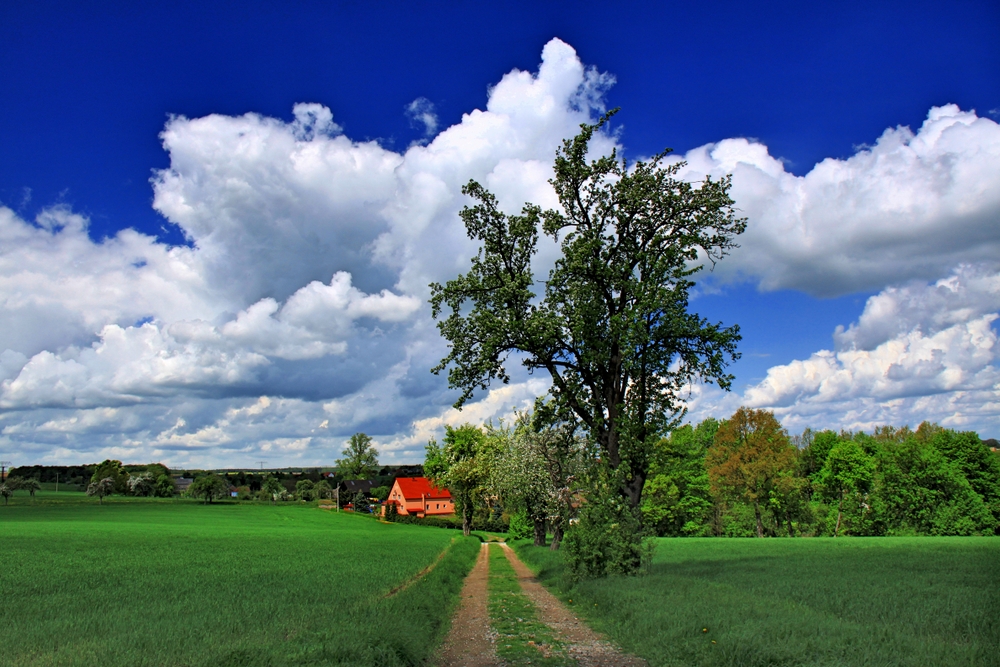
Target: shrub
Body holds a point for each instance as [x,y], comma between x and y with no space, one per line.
[607,539]
[520,528]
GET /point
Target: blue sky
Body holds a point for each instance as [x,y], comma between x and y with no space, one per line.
[118,345]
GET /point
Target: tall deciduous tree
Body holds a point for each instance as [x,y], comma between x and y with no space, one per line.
[272,487]
[141,484]
[101,488]
[677,500]
[611,325]
[847,469]
[113,470]
[750,455]
[360,458]
[31,485]
[209,487]
[460,467]
[518,475]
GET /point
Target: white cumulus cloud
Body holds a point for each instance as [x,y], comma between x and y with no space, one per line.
[911,206]
[297,314]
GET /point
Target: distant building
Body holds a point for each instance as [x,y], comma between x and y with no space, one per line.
[182,483]
[352,487]
[417,496]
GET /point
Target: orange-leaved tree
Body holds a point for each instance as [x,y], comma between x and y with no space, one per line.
[749,458]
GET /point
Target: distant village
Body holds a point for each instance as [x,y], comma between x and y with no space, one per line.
[402,486]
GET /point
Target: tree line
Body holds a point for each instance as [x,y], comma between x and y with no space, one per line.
[745,476]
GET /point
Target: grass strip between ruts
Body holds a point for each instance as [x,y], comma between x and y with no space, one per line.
[522,639]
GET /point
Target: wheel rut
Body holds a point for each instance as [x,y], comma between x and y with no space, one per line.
[472,643]
[585,646]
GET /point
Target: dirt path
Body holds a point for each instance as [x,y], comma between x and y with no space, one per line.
[584,645]
[469,642]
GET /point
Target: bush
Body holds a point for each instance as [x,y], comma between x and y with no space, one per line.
[520,528]
[607,539]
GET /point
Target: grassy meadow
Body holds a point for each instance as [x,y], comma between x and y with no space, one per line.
[782,602]
[170,582]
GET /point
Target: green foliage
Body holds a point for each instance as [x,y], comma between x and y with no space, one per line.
[6,491]
[31,485]
[813,455]
[361,503]
[147,582]
[922,490]
[113,470]
[381,492]
[677,500]
[846,470]
[305,489]
[157,469]
[611,326]
[360,458]
[461,466]
[520,528]
[101,488]
[751,460]
[906,602]
[209,487]
[271,489]
[322,489]
[164,487]
[608,537]
[141,484]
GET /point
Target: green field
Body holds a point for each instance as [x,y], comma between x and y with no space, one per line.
[917,602]
[136,582]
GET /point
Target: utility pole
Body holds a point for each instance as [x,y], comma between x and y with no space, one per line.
[3,471]
[261,464]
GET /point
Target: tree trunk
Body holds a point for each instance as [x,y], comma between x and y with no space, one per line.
[633,489]
[760,523]
[539,532]
[466,528]
[557,534]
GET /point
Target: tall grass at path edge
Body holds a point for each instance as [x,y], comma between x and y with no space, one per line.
[711,602]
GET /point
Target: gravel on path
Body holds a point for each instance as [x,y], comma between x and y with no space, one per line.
[584,645]
[470,642]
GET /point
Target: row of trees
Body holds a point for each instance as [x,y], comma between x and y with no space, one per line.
[745,476]
[14,483]
[111,477]
[360,461]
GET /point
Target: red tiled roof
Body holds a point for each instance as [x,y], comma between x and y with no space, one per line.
[415,487]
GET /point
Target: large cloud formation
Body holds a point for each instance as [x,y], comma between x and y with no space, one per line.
[297,313]
[922,351]
[912,206]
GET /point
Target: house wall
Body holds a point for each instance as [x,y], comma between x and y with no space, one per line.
[419,507]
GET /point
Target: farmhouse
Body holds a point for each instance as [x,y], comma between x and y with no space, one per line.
[417,496]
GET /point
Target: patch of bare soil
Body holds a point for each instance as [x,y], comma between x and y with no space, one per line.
[470,642]
[584,645]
